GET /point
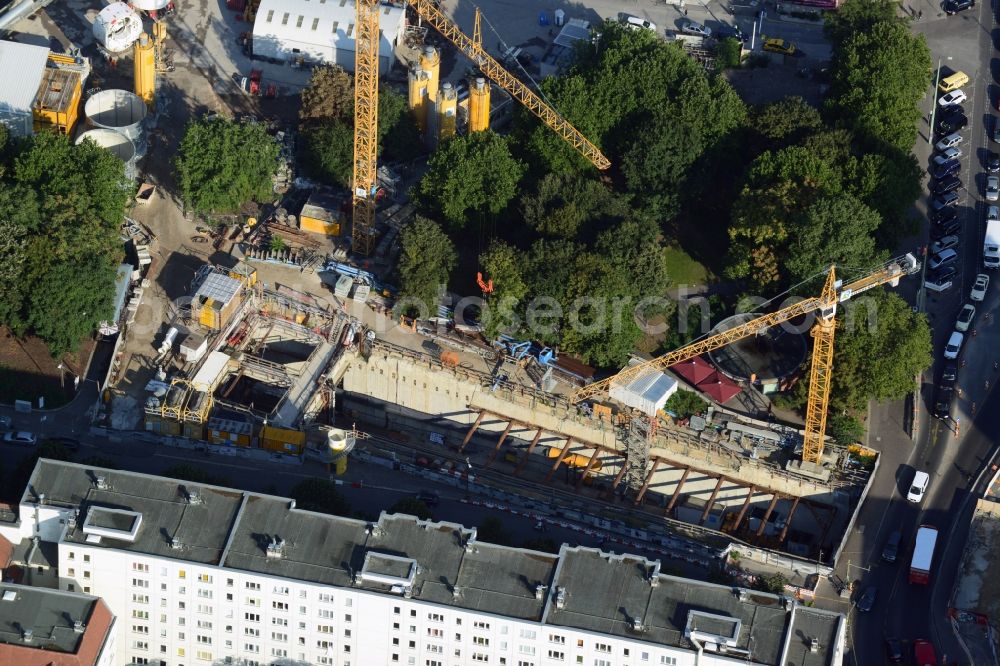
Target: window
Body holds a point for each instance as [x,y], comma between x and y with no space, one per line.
[204,624]
[253,601]
[270,15]
[347,617]
[86,558]
[315,23]
[86,574]
[327,629]
[325,598]
[281,589]
[435,649]
[250,631]
[556,655]
[336,24]
[435,617]
[180,652]
[325,613]
[252,586]
[71,555]
[204,640]
[435,633]
[298,21]
[140,629]
[204,578]
[252,647]
[479,640]
[602,647]
[180,636]
[526,649]
[480,657]
[278,636]
[348,602]
[229,582]
[481,625]
[140,645]
[251,617]
[136,566]
[350,29]
[70,573]
[204,656]
[528,634]
[140,615]
[668,661]
[140,599]
[204,594]
[279,621]
[71,587]
[279,605]
[279,652]
[182,574]
[284,19]
[602,662]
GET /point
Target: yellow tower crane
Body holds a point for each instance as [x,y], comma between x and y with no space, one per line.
[366,106]
[821,370]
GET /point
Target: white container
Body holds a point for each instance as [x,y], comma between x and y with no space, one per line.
[117,27]
[648,392]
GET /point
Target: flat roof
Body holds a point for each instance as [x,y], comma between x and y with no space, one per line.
[49,615]
[21,70]
[579,588]
[218,287]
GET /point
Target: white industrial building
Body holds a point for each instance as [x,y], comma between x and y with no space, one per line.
[206,575]
[21,70]
[321,32]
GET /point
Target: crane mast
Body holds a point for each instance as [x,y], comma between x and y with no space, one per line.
[821,369]
[365,127]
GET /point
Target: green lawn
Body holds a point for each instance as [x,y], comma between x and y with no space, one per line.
[682,269]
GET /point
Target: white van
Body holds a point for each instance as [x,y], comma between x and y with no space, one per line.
[918,487]
[635,22]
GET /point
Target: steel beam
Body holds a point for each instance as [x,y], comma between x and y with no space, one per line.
[711,501]
[590,466]
[472,430]
[503,438]
[770,508]
[527,454]
[743,510]
[677,490]
[788,521]
[647,481]
[562,455]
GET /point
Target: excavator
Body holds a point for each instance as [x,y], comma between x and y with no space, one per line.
[366,106]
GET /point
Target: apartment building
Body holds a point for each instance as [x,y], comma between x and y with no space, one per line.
[45,627]
[203,575]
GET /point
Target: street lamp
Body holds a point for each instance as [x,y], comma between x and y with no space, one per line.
[937,80]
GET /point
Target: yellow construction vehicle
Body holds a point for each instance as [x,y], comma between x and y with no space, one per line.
[821,369]
[366,106]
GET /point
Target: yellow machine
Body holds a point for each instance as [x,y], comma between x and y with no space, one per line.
[574,460]
[479,105]
[821,370]
[423,86]
[57,102]
[145,69]
[446,110]
[366,106]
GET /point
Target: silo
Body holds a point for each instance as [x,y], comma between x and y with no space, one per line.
[120,111]
[446,108]
[430,62]
[479,105]
[339,444]
[145,70]
[118,144]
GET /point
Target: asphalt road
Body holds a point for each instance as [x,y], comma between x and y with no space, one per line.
[954,460]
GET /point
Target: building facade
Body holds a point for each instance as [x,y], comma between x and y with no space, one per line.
[204,575]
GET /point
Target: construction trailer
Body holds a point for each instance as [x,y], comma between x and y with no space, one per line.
[322,214]
[216,300]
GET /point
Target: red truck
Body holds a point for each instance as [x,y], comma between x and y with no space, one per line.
[923,653]
[923,555]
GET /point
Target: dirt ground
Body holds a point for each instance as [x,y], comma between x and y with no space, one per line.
[28,371]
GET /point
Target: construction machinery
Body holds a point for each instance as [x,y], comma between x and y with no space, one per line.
[366,106]
[821,370]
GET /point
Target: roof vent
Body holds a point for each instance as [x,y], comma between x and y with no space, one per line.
[407,592]
[654,574]
[102,482]
[456,592]
[291,504]
[814,645]
[41,498]
[78,626]
[560,593]
[194,497]
[276,548]
[540,591]
[175,543]
[635,624]
[28,635]
[470,543]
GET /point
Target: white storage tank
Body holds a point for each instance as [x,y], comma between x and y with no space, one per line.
[118,144]
[150,5]
[121,111]
[117,27]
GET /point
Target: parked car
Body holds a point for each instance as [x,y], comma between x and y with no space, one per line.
[776,45]
[944,243]
[954,345]
[950,371]
[946,273]
[965,317]
[635,23]
[952,80]
[996,129]
[20,437]
[949,141]
[429,498]
[992,188]
[947,184]
[689,27]
[948,155]
[979,287]
[944,215]
[943,399]
[944,200]
[867,599]
[942,259]
[731,32]
[953,98]
[952,7]
[919,486]
[938,283]
[952,122]
[948,228]
[992,213]
[946,169]
[992,162]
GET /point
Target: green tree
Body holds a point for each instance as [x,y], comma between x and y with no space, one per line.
[882,344]
[572,206]
[469,177]
[685,404]
[858,16]
[398,134]
[878,78]
[845,429]
[504,266]
[785,122]
[425,262]
[328,97]
[412,507]
[837,229]
[223,164]
[773,583]
[330,151]
[69,300]
[320,495]
[728,54]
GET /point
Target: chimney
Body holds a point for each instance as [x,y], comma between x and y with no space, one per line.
[276,549]
[194,497]
[539,592]
[560,593]
[175,543]
[78,626]
[102,482]
[41,498]
[636,624]
[654,574]
[291,504]
[28,635]
[814,645]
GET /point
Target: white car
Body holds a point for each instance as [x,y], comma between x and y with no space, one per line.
[992,188]
[965,317]
[979,287]
[954,346]
[690,27]
[949,141]
[20,438]
[635,23]
[919,486]
[947,155]
[993,213]
[953,98]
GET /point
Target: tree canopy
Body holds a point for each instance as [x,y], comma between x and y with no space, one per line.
[426,260]
[328,97]
[223,164]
